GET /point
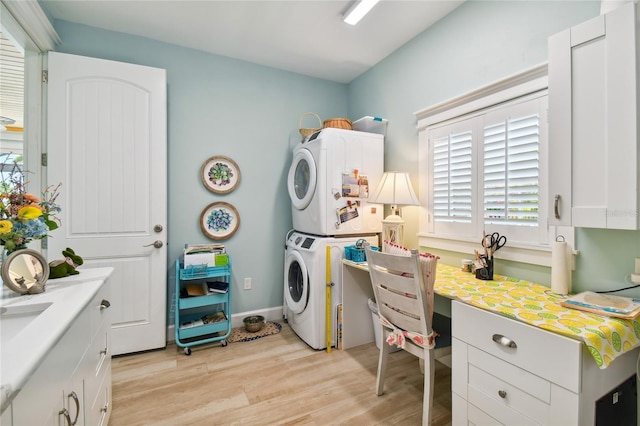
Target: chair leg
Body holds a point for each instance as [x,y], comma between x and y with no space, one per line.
[382,363]
[429,371]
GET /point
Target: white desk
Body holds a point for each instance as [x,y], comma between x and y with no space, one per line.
[550,378]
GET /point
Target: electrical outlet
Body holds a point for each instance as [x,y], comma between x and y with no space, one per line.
[247,283]
[637,271]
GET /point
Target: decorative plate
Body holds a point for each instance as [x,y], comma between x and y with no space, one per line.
[219,220]
[220,174]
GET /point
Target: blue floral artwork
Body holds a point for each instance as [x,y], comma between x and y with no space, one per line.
[220,174]
[219,220]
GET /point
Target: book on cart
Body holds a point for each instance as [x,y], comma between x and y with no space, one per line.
[206,319]
[217,287]
[604,304]
[204,248]
[205,255]
[196,289]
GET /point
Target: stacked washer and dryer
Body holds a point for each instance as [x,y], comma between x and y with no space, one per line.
[331,176]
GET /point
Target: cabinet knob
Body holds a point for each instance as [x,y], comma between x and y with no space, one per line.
[104,304]
[502,393]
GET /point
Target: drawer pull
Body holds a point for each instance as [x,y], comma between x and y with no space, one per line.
[104,304]
[74,396]
[504,341]
[502,394]
[66,415]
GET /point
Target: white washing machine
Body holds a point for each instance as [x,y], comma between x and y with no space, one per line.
[331,176]
[305,280]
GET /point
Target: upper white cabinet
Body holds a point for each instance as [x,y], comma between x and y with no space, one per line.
[593,123]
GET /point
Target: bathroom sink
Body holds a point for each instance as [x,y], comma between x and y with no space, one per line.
[14,319]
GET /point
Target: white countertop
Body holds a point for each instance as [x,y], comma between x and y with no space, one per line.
[20,356]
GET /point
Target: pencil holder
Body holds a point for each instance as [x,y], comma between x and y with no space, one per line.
[485,273]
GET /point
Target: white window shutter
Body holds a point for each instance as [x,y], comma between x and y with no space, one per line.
[511,171]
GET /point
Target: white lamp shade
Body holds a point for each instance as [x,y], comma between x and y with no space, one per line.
[395,188]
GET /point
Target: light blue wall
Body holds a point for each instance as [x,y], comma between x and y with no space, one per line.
[221,106]
[250,113]
[479,43]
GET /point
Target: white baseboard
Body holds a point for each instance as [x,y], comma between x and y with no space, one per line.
[269,314]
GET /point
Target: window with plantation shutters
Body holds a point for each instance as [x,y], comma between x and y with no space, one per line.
[484,172]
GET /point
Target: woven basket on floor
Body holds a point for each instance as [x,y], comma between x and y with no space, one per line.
[308,131]
[338,123]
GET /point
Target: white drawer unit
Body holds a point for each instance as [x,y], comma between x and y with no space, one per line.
[508,372]
[72,385]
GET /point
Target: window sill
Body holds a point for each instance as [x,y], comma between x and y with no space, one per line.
[535,255]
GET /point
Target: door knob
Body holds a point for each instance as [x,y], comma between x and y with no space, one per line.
[156,244]
[158,228]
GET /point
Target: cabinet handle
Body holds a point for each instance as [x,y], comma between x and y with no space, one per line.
[502,394]
[74,396]
[104,304]
[65,413]
[103,352]
[556,206]
[504,341]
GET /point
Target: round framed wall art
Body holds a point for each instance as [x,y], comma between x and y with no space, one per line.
[220,174]
[219,220]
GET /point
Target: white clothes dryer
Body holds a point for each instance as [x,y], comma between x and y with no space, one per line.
[305,281]
[331,176]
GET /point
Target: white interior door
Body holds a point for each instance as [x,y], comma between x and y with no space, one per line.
[107,145]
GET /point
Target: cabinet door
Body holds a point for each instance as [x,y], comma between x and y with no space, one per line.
[592,123]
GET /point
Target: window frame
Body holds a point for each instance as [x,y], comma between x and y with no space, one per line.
[529,84]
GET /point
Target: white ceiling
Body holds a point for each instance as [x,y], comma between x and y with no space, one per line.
[303,36]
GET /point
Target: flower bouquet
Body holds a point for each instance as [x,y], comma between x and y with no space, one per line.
[23,216]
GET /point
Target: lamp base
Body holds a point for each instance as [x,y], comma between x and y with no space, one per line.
[392,230]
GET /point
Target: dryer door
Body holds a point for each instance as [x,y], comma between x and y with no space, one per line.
[296,285]
[302,179]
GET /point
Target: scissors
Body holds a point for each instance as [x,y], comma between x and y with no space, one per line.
[495,242]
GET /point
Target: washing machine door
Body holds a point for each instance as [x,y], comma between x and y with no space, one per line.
[302,179]
[296,286]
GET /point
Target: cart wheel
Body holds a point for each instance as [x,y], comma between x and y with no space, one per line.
[187,351]
[224,343]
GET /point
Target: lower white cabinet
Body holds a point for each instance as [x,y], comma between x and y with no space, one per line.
[508,372]
[72,385]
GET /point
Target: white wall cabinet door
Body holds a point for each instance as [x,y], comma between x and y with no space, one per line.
[593,130]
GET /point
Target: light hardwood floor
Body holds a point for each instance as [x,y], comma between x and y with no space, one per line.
[274,380]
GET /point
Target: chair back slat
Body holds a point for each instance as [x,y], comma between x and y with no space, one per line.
[399,290]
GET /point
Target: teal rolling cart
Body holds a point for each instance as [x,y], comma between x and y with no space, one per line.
[203,305]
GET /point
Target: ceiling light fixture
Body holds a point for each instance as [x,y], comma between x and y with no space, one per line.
[358,9]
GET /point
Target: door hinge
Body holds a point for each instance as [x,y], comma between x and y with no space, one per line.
[43,159]
[45,76]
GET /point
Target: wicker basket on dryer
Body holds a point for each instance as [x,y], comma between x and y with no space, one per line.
[308,131]
[338,123]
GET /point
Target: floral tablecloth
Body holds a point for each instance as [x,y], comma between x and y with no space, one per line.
[535,304]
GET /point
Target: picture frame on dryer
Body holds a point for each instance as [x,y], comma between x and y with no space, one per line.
[220,174]
[219,220]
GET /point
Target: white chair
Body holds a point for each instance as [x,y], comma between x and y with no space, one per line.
[405,312]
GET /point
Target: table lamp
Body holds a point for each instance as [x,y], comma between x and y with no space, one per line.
[395,189]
